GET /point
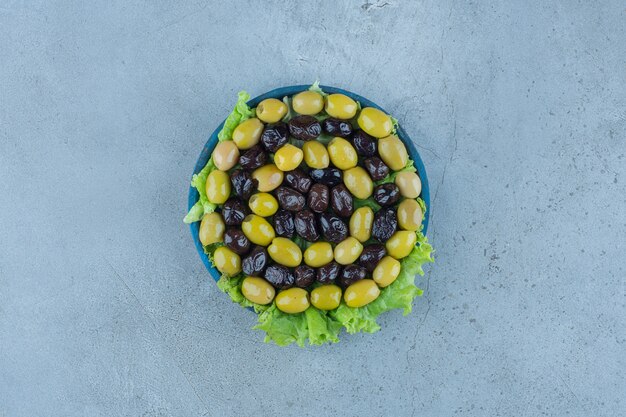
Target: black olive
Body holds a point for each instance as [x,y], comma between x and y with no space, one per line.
[351,274]
[337,127]
[333,228]
[305,127]
[234,211]
[298,180]
[304,222]
[243,183]
[283,223]
[376,168]
[364,144]
[328,273]
[386,194]
[371,255]
[385,224]
[318,198]
[236,240]
[253,158]
[290,199]
[275,136]
[341,200]
[255,263]
[327,176]
[279,276]
[305,276]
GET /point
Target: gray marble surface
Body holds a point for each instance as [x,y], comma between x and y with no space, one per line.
[518,109]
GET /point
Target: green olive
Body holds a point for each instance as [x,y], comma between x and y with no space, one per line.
[409,184]
[218,187]
[375,122]
[361,293]
[393,152]
[308,102]
[340,106]
[212,229]
[226,261]
[257,230]
[401,243]
[263,204]
[288,157]
[347,251]
[315,155]
[248,133]
[268,176]
[292,301]
[271,110]
[326,297]
[318,254]
[358,182]
[285,252]
[257,290]
[342,153]
[225,155]
[386,271]
[410,215]
[361,223]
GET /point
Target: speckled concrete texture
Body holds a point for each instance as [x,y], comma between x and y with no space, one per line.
[518,109]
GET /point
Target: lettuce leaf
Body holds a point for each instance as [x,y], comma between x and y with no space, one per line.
[281,328]
[199,182]
[240,113]
[316,87]
[368,202]
[322,328]
[232,287]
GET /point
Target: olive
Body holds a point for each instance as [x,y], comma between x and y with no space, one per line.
[218,187]
[386,194]
[285,252]
[364,144]
[225,155]
[305,128]
[386,271]
[253,158]
[333,228]
[243,183]
[341,201]
[318,254]
[257,290]
[351,274]
[275,136]
[327,176]
[307,102]
[279,276]
[326,297]
[361,293]
[292,301]
[305,276]
[393,152]
[336,127]
[263,204]
[283,223]
[234,211]
[255,263]
[342,153]
[401,244]
[327,274]
[304,222]
[409,184]
[361,223]
[376,168]
[340,106]
[375,122]
[248,133]
[358,182]
[315,155]
[318,198]
[236,240]
[211,229]
[371,255]
[288,157]
[268,177]
[226,261]
[348,251]
[298,180]
[271,110]
[410,215]
[290,199]
[385,224]
[258,230]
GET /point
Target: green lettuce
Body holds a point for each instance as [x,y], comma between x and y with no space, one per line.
[232,287]
[203,206]
[240,113]
[368,202]
[316,87]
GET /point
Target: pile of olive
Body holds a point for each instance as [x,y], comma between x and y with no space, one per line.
[270,191]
